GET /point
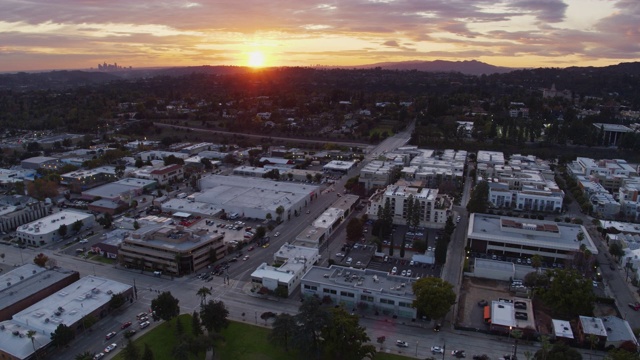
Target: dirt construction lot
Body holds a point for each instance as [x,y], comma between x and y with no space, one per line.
[473,290]
[471,315]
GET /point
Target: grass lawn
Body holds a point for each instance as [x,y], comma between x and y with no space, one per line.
[249,342]
[161,340]
[102,259]
[241,342]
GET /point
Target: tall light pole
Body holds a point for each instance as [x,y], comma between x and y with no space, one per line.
[417,342]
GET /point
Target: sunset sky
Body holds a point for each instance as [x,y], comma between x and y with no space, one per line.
[79,34]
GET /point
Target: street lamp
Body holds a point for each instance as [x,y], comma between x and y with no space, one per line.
[417,342]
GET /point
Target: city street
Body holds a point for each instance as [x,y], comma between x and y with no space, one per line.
[243,306]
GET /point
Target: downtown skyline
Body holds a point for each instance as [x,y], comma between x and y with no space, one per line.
[80,34]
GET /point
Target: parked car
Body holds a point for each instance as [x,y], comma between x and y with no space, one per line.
[394,270]
[437,350]
[110,335]
[459,354]
[110,348]
[437,328]
[401,343]
[125,325]
[98,356]
[129,333]
[277,234]
[245,258]
[635,306]
[483,303]
[144,324]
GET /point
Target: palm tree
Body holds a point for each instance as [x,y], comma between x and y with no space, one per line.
[85,356]
[31,334]
[203,292]
[536,262]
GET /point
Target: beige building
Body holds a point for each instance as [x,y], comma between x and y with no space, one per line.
[171,250]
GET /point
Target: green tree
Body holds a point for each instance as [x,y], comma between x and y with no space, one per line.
[344,338]
[312,318]
[616,250]
[88,321]
[434,297]
[283,330]
[354,230]
[196,324]
[62,336]
[569,294]
[260,232]
[621,354]
[416,213]
[85,356]
[180,350]
[31,334]
[77,226]
[479,198]
[62,230]
[559,351]
[119,170]
[279,212]
[214,316]
[165,306]
[203,292]
[117,300]
[536,262]
[130,351]
[148,353]
[41,260]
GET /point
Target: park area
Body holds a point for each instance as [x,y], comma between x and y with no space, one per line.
[239,341]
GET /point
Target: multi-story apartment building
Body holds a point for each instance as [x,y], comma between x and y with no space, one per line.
[434,208]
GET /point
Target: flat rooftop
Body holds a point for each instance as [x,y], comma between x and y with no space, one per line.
[549,234]
[371,280]
[71,304]
[14,339]
[593,326]
[27,280]
[562,329]
[242,192]
[52,222]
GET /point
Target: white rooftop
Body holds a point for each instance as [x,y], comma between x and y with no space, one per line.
[71,304]
[562,329]
[52,222]
[593,326]
[502,313]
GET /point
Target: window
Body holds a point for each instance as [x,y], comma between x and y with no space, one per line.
[329,291]
[347,294]
[387,301]
[309,287]
[366,298]
[404,304]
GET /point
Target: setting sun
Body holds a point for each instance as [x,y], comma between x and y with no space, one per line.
[256,59]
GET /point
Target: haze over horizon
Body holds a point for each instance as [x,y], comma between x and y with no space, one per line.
[80,34]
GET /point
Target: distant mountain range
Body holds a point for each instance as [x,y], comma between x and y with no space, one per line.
[469,67]
[73,78]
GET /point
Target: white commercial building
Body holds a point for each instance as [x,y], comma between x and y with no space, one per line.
[516,237]
[368,290]
[292,263]
[255,198]
[89,296]
[47,229]
[339,166]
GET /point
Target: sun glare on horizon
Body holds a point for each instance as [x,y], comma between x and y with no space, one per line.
[256,59]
